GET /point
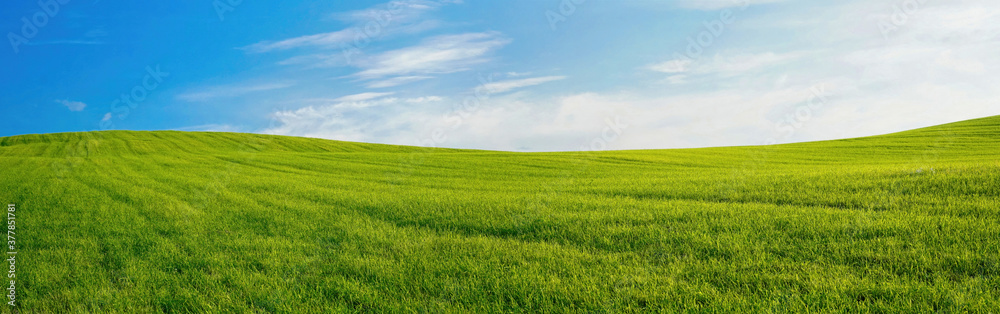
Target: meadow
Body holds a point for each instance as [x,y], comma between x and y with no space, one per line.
[178,222]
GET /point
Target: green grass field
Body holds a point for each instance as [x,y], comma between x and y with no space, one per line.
[137,222]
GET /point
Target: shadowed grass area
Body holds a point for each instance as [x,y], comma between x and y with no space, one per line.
[222,222]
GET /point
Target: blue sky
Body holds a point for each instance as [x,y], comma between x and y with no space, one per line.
[522,75]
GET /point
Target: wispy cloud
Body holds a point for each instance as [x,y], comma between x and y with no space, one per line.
[722,4]
[404,10]
[330,39]
[672,66]
[505,86]
[393,18]
[66,42]
[396,81]
[73,105]
[350,47]
[91,37]
[723,65]
[229,91]
[432,56]
[362,97]
[436,55]
[424,99]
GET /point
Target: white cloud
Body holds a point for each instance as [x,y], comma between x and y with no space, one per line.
[356,121]
[396,81]
[677,79]
[393,11]
[73,105]
[502,122]
[319,60]
[436,55]
[330,39]
[425,99]
[517,74]
[362,97]
[722,4]
[441,54]
[726,65]
[392,18]
[229,91]
[505,86]
[732,65]
[672,66]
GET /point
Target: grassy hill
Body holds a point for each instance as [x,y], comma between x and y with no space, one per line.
[219,222]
